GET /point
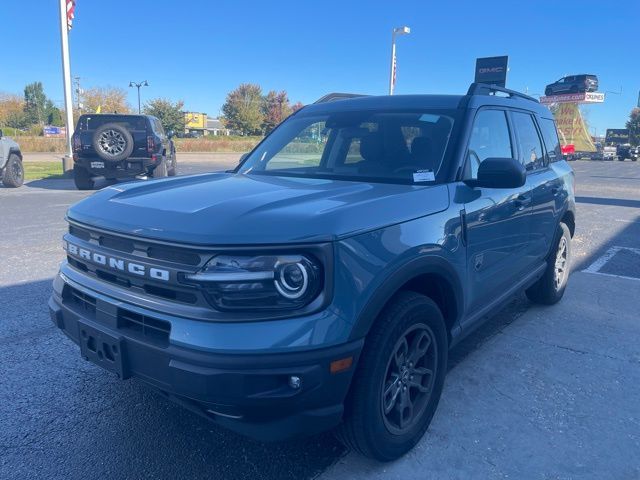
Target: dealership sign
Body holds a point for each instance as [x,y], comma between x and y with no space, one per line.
[583,97]
[617,135]
[53,131]
[492,70]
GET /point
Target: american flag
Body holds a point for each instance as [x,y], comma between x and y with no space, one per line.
[71,9]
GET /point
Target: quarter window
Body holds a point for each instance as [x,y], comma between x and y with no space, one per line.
[489,139]
[531,153]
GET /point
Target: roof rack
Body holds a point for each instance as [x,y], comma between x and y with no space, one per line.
[332,97]
[486,89]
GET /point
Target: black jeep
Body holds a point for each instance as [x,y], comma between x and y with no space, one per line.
[118,146]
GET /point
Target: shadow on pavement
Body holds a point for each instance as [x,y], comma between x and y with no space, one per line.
[620,202]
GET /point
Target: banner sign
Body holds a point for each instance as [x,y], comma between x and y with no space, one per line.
[197,121]
[572,129]
[617,136]
[584,97]
[51,131]
[492,70]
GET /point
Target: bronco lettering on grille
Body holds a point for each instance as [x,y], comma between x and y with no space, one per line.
[116,263]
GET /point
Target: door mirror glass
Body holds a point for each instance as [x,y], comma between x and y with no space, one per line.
[171,134]
[499,173]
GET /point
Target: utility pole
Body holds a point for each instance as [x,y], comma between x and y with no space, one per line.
[66,75]
[78,91]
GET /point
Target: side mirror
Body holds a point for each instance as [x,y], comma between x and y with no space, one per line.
[499,173]
[171,134]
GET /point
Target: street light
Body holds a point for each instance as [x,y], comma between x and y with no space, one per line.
[392,75]
[138,85]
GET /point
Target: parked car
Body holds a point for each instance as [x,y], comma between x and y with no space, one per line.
[11,169]
[119,146]
[623,151]
[573,84]
[634,153]
[322,282]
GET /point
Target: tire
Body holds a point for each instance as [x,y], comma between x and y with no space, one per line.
[82,178]
[548,290]
[366,428]
[13,172]
[161,169]
[174,167]
[112,142]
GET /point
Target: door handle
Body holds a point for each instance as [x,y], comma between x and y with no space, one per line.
[522,201]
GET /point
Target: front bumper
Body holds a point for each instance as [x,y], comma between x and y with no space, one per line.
[249,393]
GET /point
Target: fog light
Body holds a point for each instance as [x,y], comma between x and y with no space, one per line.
[295,382]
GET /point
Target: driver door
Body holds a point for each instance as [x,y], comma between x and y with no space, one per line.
[497,219]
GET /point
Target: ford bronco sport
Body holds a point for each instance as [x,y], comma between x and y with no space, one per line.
[11,169]
[322,282]
[121,146]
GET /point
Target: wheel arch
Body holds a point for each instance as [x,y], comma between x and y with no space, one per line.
[16,151]
[431,276]
[569,219]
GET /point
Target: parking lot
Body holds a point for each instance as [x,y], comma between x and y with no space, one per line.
[538,392]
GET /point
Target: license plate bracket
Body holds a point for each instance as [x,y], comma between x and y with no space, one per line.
[103,349]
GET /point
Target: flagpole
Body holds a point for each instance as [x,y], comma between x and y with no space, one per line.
[66,76]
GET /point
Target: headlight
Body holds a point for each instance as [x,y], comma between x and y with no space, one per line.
[260,282]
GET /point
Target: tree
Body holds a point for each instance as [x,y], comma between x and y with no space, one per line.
[53,114]
[242,109]
[296,106]
[275,108]
[35,102]
[109,99]
[170,114]
[633,124]
[12,111]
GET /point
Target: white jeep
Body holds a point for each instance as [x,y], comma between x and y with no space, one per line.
[11,170]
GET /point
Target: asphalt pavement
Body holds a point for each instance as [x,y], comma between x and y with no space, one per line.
[538,392]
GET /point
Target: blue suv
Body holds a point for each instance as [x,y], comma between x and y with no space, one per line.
[322,282]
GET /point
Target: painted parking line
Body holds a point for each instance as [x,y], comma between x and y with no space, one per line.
[602,262]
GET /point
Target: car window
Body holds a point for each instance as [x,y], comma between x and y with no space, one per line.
[382,146]
[531,153]
[551,140]
[489,139]
[158,126]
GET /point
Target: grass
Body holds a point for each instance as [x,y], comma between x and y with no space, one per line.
[40,170]
[210,143]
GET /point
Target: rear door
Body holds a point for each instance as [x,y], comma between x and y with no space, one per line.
[541,180]
[497,219]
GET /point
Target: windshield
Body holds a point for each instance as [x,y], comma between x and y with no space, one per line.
[397,147]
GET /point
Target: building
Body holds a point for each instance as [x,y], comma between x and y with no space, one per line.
[216,127]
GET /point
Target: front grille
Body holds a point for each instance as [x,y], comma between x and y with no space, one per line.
[152,329]
[182,256]
[81,301]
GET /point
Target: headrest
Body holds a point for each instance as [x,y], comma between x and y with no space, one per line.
[371,148]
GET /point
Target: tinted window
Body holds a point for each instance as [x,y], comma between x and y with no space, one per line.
[392,146]
[551,140]
[531,153]
[130,122]
[489,139]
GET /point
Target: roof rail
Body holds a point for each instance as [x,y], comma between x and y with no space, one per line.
[332,97]
[486,89]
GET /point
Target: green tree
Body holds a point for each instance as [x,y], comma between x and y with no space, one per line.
[170,114]
[53,114]
[243,109]
[633,124]
[275,108]
[35,102]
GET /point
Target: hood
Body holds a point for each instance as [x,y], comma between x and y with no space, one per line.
[233,209]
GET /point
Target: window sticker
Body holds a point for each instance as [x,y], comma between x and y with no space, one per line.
[424,176]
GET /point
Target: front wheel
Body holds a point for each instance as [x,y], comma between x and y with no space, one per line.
[549,289]
[399,379]
[13,176]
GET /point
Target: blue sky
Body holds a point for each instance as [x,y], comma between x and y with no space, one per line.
[198,50]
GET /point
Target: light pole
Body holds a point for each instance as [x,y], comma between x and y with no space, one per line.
[138,85]
[392,73]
